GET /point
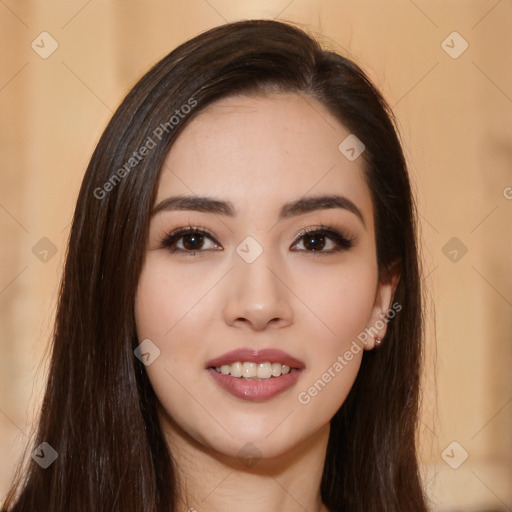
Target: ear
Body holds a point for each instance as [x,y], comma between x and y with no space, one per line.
[378,321]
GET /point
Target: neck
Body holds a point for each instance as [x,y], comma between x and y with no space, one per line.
[209,480]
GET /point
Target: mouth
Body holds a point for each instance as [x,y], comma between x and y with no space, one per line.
[255,375]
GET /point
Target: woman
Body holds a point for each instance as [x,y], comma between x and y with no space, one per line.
[239,322]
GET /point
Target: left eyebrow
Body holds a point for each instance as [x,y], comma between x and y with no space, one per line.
[310,204]
[290,209]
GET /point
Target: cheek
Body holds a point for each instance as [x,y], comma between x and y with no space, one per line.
[174,299]
[164,306]
[168,298]
[168,311]
[341,300]
[343,303]
[350,304]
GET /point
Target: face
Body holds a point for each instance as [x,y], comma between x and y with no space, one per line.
[257,294]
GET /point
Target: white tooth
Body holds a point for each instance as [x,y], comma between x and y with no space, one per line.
[236,369]
[276,369]
[249,370]
[264,371]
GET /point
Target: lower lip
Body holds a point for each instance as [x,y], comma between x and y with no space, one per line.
[255,390]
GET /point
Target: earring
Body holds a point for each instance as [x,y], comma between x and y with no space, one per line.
[378,341]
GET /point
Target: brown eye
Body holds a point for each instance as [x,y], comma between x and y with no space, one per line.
[324,240]
[189,241]
[314,242]
[193,241]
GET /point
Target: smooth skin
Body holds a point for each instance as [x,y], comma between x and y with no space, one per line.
[258,153]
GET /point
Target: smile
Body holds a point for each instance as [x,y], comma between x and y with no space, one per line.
[255,375]
[250,370]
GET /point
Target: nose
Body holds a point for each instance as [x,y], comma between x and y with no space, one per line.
[257,296]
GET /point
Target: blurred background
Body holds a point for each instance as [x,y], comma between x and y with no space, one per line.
[444,67]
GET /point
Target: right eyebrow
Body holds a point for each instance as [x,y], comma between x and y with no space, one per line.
[197,203]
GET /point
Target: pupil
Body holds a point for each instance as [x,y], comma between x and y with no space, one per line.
[309,242]
[192,242]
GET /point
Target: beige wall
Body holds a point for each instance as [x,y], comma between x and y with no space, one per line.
[455,118]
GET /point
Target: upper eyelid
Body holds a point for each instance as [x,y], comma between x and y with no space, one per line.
[323,227]
[186,229]
[191,229]
[179,232]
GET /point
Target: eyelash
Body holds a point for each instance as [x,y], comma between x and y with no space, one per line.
[343,242]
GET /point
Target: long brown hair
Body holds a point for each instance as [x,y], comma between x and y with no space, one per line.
[99,411]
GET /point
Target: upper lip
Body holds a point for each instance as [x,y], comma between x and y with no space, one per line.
[271,355]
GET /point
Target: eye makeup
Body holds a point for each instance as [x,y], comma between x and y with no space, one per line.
[191,240]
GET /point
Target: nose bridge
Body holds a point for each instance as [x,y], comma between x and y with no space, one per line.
[257,293]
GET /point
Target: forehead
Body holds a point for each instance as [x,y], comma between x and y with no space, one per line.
[260,152]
